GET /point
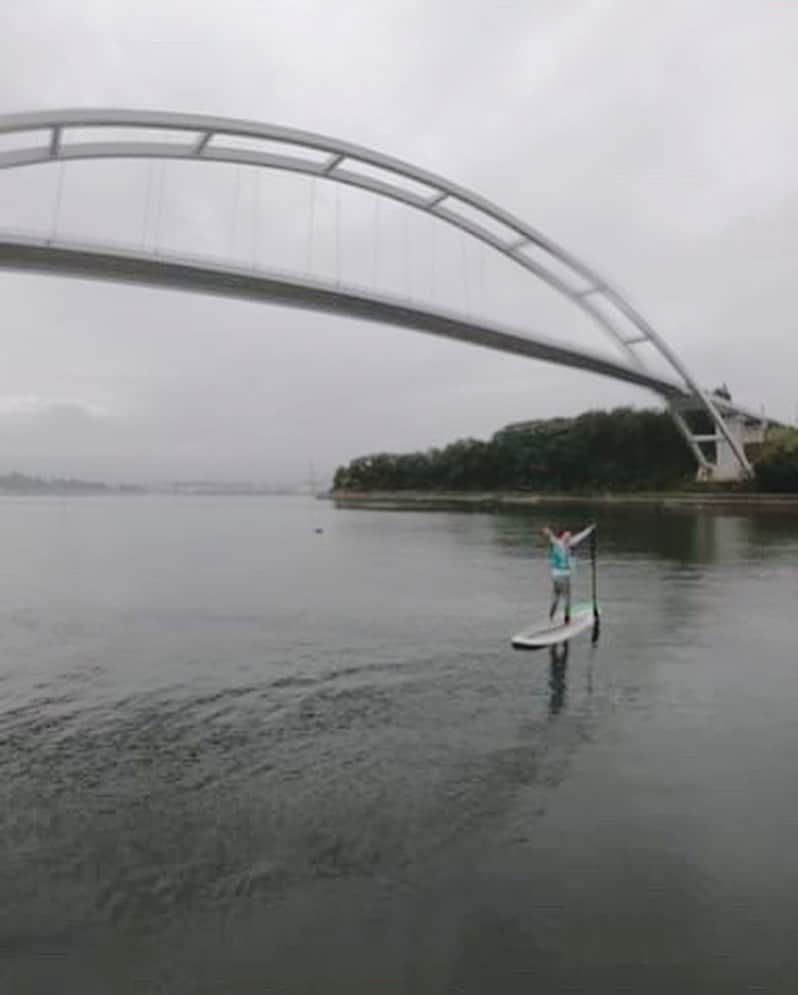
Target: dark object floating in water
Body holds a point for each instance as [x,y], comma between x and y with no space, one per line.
[317,531]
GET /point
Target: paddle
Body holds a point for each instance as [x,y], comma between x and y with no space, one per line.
[596,616]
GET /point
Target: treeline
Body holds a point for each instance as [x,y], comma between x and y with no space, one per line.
[20,483]
[624,449]
[777,463]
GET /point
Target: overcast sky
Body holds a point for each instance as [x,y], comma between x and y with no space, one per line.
[656,141]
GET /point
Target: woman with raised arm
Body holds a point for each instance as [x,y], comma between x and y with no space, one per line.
[561,544]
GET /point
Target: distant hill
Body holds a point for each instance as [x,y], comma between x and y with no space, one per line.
[20,483]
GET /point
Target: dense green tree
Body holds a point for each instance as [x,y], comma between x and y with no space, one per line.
[622,449]
[776,466]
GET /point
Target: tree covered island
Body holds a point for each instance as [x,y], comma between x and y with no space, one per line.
[623,450]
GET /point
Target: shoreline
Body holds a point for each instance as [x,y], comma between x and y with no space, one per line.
[498,500]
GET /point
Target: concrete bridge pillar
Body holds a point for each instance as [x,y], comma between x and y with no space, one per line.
[722,465]
[719,449]
[746,431]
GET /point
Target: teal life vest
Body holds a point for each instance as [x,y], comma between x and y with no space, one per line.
[559,558]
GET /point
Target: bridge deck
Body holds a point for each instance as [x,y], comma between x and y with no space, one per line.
[121,265]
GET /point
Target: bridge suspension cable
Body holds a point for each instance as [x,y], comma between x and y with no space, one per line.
[59,193]
[256,212]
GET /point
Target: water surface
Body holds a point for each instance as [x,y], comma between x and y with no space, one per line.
[238,755]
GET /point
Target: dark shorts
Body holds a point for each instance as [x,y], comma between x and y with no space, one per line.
[562,586]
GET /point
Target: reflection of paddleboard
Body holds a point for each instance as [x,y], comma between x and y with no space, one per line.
[548,633]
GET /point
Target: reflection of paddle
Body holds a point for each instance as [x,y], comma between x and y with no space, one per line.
[596,616]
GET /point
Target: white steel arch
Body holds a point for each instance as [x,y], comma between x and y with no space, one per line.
[197,137]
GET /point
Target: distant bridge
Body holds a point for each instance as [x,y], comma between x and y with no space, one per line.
[49,136]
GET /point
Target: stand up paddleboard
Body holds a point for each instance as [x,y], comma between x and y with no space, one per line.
[549,633]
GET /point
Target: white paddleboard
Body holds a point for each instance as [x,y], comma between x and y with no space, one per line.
[549,633]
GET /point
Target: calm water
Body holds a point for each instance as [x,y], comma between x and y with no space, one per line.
[238,756]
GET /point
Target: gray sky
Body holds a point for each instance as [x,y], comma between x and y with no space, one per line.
[656,141]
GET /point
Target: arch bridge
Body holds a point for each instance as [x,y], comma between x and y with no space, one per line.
[71,135]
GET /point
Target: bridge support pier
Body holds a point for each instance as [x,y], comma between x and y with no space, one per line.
[746,431]
[718,451]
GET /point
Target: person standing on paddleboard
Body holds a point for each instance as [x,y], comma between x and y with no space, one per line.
[561,544]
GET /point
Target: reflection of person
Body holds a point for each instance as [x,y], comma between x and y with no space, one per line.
[558,656]
[561,544]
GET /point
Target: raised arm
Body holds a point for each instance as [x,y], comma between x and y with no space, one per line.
[580,536]
[546,531]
